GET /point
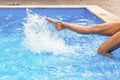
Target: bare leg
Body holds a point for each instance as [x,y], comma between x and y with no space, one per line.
[104,29]
[111,44]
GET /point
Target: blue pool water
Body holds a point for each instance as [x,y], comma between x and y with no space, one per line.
[32,49]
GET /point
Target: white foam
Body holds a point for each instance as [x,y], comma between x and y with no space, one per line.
[40,38]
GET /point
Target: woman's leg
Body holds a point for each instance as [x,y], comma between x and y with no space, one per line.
[111,44]
[104,29]
[112,29]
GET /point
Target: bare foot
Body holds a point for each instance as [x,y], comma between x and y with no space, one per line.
[58,23]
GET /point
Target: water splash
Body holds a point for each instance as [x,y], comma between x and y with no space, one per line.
[41,36]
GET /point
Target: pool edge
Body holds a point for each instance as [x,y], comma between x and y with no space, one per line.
[98,11]
[103,14]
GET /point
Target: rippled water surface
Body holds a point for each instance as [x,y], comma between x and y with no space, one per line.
[32,49]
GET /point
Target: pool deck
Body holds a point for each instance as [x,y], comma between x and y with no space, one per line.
[113,6]
[101,13]
[95,6]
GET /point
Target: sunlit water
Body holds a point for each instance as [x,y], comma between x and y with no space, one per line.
[32,49]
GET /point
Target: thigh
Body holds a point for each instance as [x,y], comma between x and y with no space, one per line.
[107,28]
[111,44]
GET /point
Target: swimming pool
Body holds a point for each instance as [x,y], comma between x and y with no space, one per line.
[31,48]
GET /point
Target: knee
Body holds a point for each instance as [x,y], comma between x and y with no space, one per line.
[101,50]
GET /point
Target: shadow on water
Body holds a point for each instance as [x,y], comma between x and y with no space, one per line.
[116,54]
[115,58]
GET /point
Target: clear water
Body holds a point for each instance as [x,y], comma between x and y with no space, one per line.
[32,49]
